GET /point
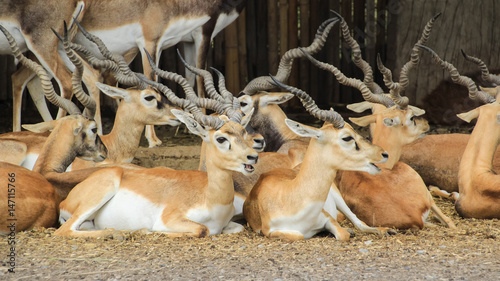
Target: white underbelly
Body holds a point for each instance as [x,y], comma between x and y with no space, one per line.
[118,40]
[215,218]
[179,29]
[308,221]
[128,211]
[15,31]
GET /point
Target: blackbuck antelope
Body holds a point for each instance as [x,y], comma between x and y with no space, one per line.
[268,118]
[439,165]
[288,203]
[32,197]
[150,25]
[397,197]
[29,22]
[177,203]
[478,184]
[136,109]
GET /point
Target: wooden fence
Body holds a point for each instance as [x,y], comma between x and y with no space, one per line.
[254,43]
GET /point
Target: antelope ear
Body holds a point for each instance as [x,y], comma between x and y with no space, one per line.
[469,116]
[360,106]
[246,119]
[304,130]
[193,126]
[364,121]
[113,92]
[416,111]
[275,98]
[77,128]
[40,127]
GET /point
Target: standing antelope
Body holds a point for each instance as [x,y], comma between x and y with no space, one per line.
[191,203]
[149,25]
[477,182]
[37,194]
[287,203]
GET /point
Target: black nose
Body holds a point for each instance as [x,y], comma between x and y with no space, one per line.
[258,140]
[385,154]
[253,158]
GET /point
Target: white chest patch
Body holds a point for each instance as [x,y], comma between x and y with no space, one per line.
[128,211]
[29,161]
[330,205]
[215,218]
[308,221]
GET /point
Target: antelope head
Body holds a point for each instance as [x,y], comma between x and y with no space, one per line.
[351,151]
[76,136]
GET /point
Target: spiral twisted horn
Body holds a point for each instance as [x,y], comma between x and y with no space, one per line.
[76,78]
[329,116]
[47,86]
[474,93]
[285,66]
[357,58]
[485,73]
[351,82]
[128,77]
[188,90]
[205,120]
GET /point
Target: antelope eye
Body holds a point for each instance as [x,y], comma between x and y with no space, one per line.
[149,98]
[243,104]
[94,130]
[347,139]
[221,140]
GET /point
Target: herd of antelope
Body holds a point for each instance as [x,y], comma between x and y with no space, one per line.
[284,179]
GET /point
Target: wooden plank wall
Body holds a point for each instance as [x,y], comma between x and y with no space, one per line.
[254,43]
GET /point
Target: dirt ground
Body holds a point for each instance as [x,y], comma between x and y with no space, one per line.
[437,253]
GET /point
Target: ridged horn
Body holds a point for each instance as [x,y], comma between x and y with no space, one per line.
[128,77]
[485,73]
[188,90]
[76,78]
[285,66]
[352,82]
[394,87]
[45,79]
[357,58]
[204,120]
[329,116]
[474,93]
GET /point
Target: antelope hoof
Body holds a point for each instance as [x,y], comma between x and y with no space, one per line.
[154,143]
[387,231]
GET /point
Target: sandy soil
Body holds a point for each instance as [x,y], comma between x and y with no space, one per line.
[468,253]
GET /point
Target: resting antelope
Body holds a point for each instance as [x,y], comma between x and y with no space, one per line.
[439,165]
[477,182]
[191,203]
[136,109]
[288,204]
[36,194]
[153,25]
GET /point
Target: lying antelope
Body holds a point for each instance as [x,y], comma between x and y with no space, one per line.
[136,109]
[477,182]
[150,25]
[35,195]
[288,204]
[439,165]
[268,118]
[191,203]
